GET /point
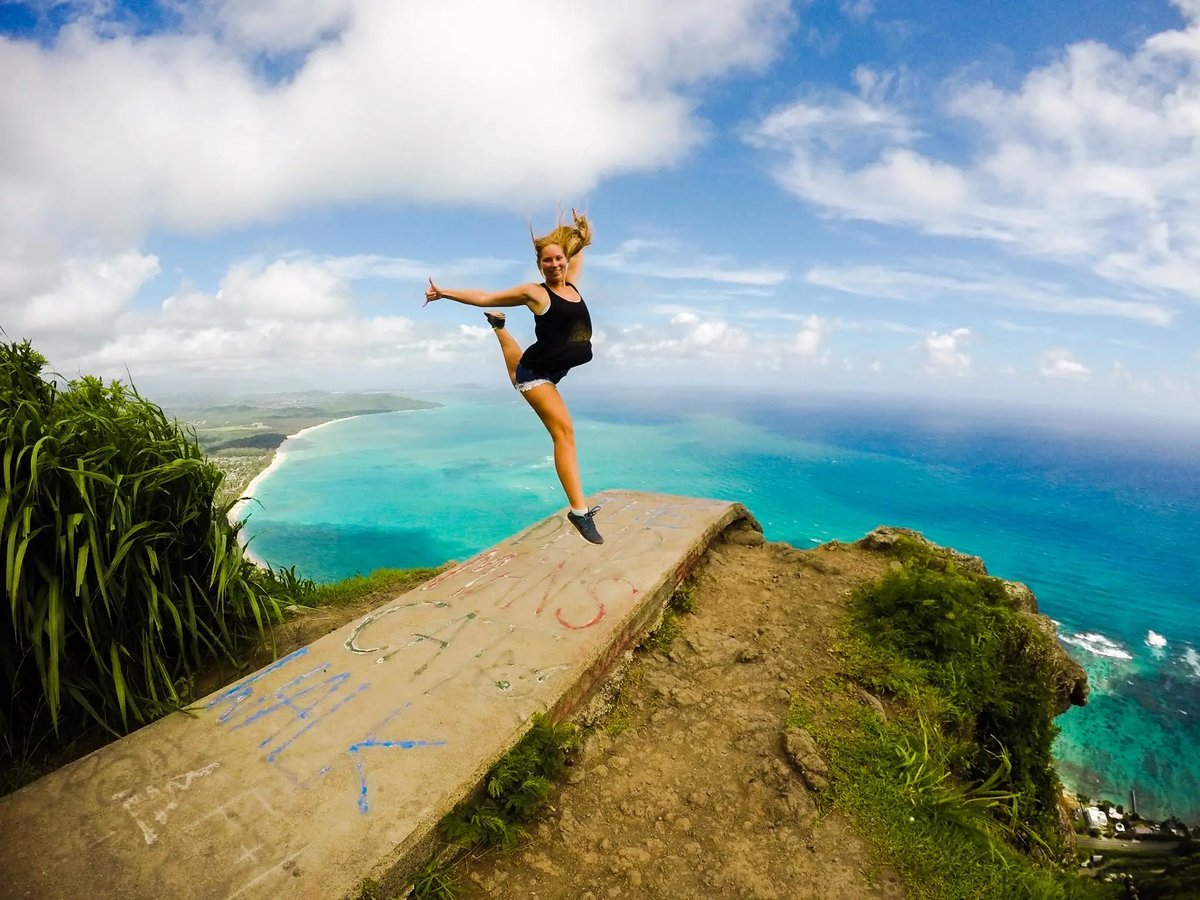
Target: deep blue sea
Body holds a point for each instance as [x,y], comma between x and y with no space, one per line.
[1101,519]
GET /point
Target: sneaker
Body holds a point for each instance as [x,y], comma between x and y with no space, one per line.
[586,525]
[496,320]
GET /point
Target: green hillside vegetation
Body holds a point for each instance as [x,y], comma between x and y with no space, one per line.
[955,786]
[268,440]
[263,421]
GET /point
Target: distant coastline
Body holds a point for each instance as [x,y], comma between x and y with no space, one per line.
[243,435]
[277,458]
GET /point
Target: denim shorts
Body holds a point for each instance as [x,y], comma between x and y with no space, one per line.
[527,378]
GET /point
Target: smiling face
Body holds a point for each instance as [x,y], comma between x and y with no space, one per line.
[553,263]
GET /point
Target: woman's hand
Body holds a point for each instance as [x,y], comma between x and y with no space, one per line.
[582,226]
[431,293]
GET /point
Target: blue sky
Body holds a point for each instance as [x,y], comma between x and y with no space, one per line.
[982,201]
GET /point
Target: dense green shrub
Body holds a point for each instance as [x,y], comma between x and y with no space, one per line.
[122,577]
[953,639]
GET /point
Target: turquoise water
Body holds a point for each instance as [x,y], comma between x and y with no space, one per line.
[1102,521]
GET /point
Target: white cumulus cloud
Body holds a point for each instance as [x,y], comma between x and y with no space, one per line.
[807,341]
[1061,364]
[944,353]
[71,303]
[292,313]
[163,349]
[111,133]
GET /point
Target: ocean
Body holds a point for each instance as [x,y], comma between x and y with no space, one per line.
[1100,518]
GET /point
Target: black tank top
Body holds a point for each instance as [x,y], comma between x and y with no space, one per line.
[564,335]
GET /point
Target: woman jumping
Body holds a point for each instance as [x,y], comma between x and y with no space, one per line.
[563,332]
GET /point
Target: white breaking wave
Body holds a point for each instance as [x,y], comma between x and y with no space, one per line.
[1192,658]
[1156,640]
[1099,645]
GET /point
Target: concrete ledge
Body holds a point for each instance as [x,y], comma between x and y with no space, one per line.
[336,762]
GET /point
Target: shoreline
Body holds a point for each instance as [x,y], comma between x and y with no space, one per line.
[277,459]
[1111,661]
[1074,793]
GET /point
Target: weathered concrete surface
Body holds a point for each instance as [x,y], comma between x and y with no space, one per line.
[336,762]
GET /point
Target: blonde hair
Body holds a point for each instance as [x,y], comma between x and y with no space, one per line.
[572,238]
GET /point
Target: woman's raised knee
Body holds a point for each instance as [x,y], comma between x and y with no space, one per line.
[562,431]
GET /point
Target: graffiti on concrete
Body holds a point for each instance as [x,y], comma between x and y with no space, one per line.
[246,838]
[530,576]
[530,568]
[151,807]
[371,741]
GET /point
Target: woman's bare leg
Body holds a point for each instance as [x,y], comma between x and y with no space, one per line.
[511,350]
[548,403]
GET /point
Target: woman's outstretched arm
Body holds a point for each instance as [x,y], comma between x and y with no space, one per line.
[521,295]
[575,268]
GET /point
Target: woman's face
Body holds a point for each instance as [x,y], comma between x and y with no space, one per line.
[553,263]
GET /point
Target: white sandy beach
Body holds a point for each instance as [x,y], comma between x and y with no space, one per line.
[236,511]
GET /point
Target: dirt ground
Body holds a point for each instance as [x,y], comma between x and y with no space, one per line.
[683,789]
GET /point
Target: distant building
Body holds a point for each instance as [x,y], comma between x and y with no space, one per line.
[1095,818]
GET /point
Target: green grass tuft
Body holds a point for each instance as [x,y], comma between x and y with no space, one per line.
[516,788]
[662,637]
[683,598]
[435,881]
[381,581]
[682,602]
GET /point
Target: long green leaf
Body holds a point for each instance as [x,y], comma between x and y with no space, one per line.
[81,561]
[126,544]
[118,681]
[98,567]
[33,460]
[56,637]
[8,468]
[11,575]
[84,699]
